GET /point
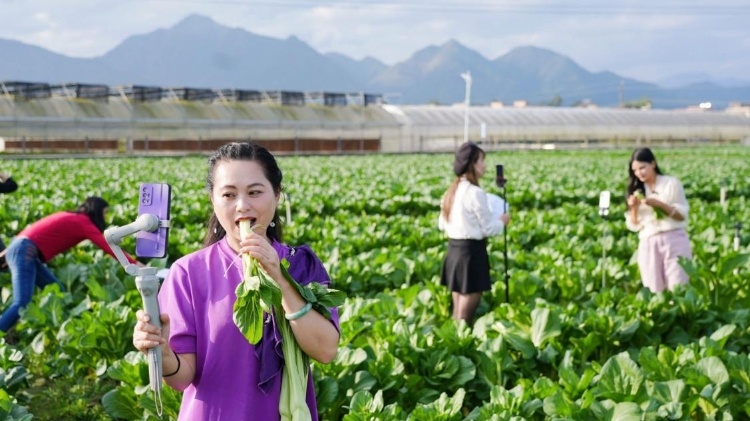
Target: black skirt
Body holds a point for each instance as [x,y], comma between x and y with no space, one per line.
[466,268]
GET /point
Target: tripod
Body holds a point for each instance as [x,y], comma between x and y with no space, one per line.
[604,247]
[500,182]
[603,212]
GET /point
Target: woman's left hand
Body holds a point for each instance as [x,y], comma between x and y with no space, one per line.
[260,248]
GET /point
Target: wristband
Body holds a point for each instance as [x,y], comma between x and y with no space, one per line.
[178,366]
[674,209]
[302,312]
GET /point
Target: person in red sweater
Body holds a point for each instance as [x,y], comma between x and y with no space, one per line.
[41,241]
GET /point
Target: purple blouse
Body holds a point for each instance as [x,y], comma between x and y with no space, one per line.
[234,379]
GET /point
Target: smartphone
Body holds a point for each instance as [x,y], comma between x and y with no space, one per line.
[154,198]
[499,176]
[604,198]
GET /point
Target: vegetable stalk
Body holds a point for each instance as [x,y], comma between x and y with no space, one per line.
[293,403]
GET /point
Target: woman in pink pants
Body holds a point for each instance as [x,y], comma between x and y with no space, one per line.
[658,211]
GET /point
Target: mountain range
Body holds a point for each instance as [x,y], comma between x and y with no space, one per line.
[198,52]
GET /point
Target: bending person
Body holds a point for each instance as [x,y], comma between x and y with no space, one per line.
[41,241]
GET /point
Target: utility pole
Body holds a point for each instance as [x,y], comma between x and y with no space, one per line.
[467,103]
[622,93]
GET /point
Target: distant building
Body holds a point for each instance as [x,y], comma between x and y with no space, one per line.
[38,118]
[739,108]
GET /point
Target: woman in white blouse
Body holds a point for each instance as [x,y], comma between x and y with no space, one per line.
[467,219]
[658,211]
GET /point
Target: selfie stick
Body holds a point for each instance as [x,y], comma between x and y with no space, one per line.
[500,181]
[603,212]
[148,285]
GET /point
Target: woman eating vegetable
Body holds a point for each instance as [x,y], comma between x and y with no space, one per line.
[206,350]
[658,211]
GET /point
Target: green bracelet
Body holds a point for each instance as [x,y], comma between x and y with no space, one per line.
[302,312]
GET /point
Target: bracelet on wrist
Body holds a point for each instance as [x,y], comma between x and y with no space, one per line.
[178,366]
[674,210]
[300,313]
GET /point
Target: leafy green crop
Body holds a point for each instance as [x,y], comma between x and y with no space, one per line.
[580,338]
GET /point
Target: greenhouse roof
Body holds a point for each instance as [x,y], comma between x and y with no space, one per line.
[426,115]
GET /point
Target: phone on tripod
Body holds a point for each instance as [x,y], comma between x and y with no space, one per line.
[154,198]
[604,198]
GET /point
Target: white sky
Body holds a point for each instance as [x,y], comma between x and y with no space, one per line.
[650,40]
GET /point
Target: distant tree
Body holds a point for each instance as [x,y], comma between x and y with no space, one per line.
[642,104]
[556,101]
[583,103]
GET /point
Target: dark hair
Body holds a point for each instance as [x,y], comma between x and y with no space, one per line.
[466,156]
[93,207]
[244,151]
[640,155]
[464,164]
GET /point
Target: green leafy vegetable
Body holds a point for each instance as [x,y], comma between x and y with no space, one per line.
[658,212]
[255,294]
[258,293]
[293,405]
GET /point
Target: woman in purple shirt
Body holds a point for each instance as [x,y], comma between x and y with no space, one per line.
[204,354]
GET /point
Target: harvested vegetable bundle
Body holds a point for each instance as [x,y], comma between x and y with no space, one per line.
[258,293]
[255,294]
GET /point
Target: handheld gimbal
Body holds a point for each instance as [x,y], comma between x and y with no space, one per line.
[147,282]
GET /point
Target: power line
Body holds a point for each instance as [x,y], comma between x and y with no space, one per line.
[478,7]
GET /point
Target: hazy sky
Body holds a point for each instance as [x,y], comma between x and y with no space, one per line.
[650,40]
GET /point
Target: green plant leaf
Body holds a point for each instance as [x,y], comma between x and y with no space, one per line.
[730,263]
[544,325]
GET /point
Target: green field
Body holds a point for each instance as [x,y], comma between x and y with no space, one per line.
[580,338]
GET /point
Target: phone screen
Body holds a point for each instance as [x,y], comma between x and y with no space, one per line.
[153,198]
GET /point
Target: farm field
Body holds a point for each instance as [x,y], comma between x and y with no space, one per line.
[579,339]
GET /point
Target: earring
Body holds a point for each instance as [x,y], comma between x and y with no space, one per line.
[272,224]
[216,230]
